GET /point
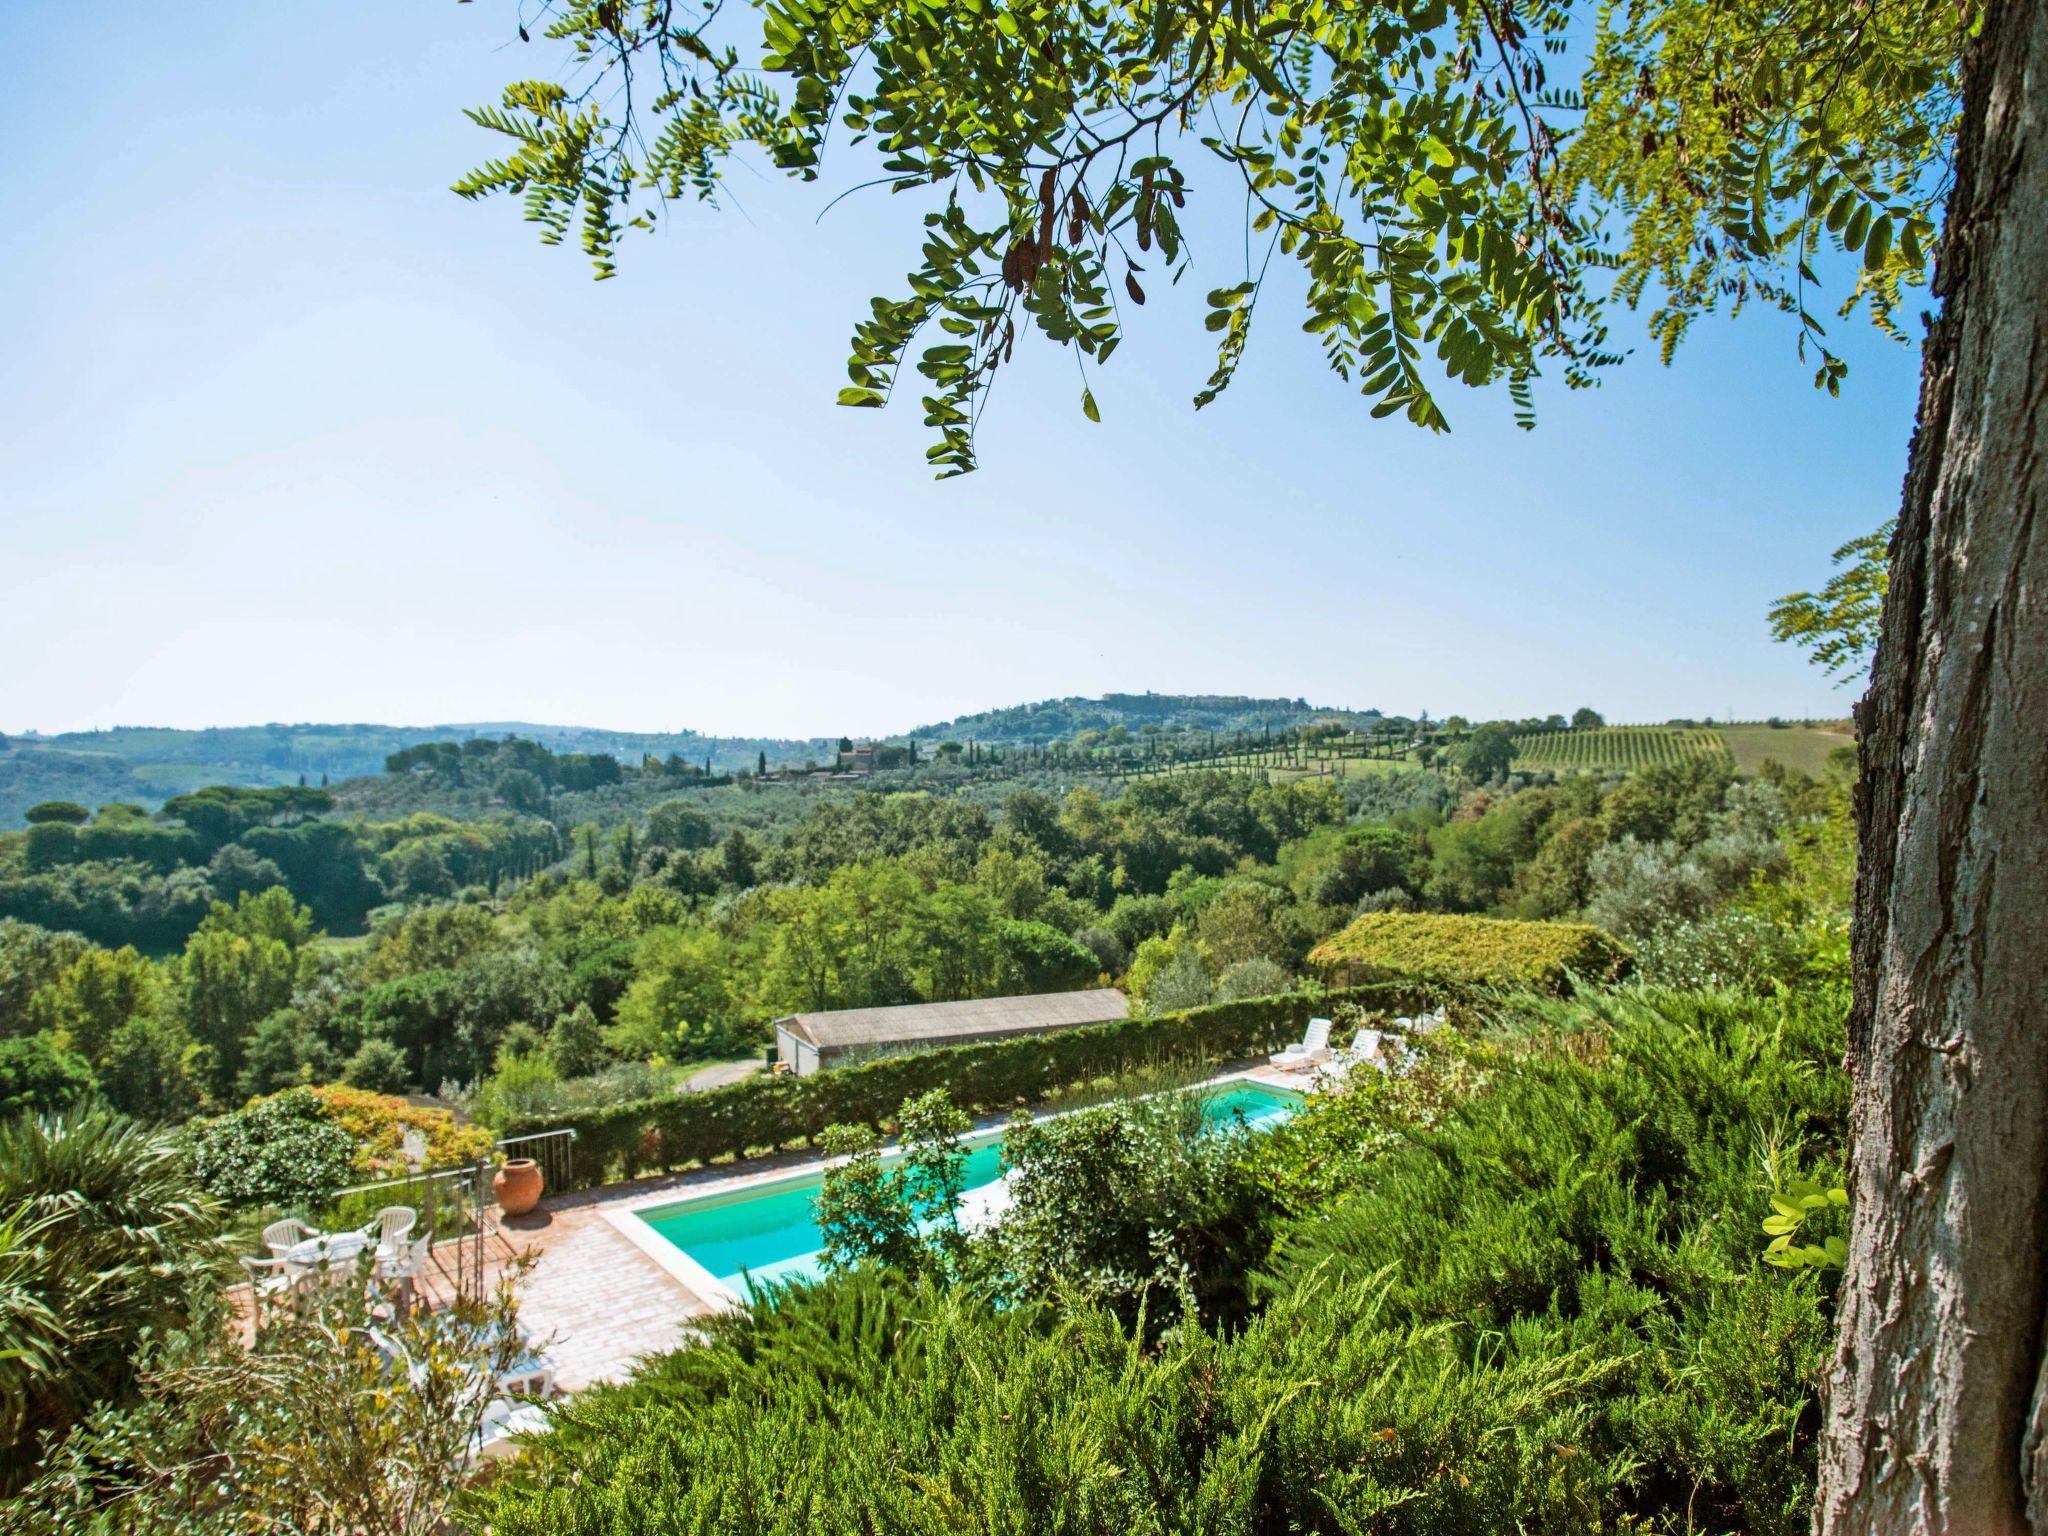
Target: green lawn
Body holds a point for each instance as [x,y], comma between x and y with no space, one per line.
[1804,747]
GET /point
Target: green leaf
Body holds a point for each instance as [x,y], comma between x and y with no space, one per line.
[1857,227]
[1909,243]
[1088,407]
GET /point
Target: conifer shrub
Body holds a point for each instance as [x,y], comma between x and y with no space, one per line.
[1547,1311]
[1471,951]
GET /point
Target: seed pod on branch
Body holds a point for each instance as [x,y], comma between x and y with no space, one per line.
[1020,266]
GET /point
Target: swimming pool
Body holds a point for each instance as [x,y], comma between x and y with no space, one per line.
[769,1232]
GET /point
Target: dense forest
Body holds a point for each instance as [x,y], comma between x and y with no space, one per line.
[145,764]
[590,928]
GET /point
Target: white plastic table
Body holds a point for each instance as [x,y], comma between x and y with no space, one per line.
[333,1249]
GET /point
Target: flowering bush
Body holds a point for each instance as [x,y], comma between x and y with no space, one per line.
[378,1122]
[295,1149]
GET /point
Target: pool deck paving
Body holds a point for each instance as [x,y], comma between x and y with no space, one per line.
[599,1301]
[603,1296]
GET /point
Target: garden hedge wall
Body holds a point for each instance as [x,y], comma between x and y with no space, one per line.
[769,1112]
[1468,951]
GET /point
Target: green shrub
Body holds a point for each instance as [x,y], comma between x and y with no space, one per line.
[378,1066]
[1329,1145]
[1477,951]
[1733,948]
[285,1151]
[1141,1205]
[1549,1313]
[767,1112]
[906,1215]
[1597,1213]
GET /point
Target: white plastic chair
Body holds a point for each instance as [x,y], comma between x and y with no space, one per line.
[1314,1047]
[271,1281]
[280,1235]
[393,1226]
[532,1375]
[268,1278]
[406,1260]
[402,1266]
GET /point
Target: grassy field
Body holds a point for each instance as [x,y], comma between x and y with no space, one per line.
[1804,747]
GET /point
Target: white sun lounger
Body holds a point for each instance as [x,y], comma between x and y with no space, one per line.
[1368,1046]
[1429,1023]
[1314,1047]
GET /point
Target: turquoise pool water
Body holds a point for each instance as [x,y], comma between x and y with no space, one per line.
[770,1232]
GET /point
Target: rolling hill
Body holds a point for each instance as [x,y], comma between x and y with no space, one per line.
[1059,719]
[148,764]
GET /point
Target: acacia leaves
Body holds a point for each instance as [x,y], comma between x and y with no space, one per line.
[1451,210]
[1791,1208]
[1733,144]
[1839,623]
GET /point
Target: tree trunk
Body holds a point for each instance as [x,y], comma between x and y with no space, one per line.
[1938,1405]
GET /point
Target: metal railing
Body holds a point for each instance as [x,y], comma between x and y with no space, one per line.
[553,1150]
[451,1204]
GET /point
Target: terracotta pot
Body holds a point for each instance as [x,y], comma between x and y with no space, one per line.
[517,1186]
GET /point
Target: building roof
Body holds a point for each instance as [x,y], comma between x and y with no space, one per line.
[939,1021]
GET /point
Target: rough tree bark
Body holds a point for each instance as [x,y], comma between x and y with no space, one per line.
[1938,1405]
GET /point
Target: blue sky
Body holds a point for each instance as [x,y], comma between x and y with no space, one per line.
[294,434]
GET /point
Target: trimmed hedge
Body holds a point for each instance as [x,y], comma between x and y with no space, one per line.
[1468,951]
[765,1113]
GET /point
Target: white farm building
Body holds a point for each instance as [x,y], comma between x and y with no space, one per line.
[816,1042]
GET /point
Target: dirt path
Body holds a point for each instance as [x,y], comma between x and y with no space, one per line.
[721,1074]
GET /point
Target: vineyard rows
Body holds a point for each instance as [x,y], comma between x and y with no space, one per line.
[1618,749]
